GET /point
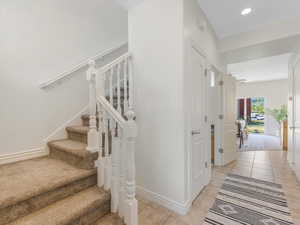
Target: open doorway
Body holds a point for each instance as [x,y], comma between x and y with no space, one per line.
[254,125]
[262,96]
[252,111]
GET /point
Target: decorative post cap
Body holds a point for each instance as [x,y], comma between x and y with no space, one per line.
[91,72]
[130,114]
[91,63]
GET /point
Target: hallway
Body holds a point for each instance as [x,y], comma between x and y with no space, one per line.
[260,142]
[270,166]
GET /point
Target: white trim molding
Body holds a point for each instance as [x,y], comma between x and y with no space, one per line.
[180,208]
[25,155]
[68,73]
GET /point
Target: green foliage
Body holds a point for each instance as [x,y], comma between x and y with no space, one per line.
[258,109]
[258,105]
[279,115]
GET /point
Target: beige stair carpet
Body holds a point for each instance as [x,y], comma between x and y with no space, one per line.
[56,190]
[80,209]
[29,185]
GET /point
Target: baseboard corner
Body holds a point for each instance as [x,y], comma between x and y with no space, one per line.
[177,207]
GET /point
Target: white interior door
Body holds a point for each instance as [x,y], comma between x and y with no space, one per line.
[200,141]
[228,148]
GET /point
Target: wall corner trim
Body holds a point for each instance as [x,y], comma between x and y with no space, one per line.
[180,208]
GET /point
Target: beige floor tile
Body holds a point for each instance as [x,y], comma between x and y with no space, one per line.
[271,166]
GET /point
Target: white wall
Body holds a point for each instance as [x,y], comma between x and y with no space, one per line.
[294,112]
[158,33]
[156,42]
[262,50]
[266,33]
[275,94]
[39,40]
[127,4]
[198,28]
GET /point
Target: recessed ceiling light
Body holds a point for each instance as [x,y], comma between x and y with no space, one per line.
[246,11]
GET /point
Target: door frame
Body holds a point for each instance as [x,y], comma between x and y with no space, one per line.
[190,45]
[216,120]
[294,61]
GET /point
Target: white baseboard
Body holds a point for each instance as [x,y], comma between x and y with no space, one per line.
[20,156]
[177,207]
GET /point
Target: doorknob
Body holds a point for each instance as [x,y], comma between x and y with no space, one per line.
[195,132]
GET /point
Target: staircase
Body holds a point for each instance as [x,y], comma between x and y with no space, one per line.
[87,176]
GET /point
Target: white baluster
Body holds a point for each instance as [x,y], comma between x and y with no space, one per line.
[130,78]
[115,186]
[122,195]
[93,141]
[111,93]
[107,159]
[125,77]
[101,161]
[118,87]
[131,211]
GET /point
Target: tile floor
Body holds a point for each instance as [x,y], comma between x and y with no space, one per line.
[260,142]
[265,165]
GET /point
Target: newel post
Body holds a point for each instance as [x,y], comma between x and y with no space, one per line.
[93,141]
[131,204]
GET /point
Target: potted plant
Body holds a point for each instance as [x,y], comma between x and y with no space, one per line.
[280,115]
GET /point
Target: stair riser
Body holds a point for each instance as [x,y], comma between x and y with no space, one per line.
[26,207]
[77,136]
[94,214]
[82,163]
[86,121]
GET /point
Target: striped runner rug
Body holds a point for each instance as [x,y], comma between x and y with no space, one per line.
[249,201]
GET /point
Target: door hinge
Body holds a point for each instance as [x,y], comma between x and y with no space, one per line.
[205,119]
[206,165]
[221,116]
[221,83]
[221,150]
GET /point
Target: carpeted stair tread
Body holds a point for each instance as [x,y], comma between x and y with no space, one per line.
[70,146]
[73,152]
[78,129]
[69,210]
[23,180]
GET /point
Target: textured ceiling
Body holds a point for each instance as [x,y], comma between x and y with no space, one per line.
[225,16]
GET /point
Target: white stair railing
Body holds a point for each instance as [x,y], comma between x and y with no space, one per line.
[111,102]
